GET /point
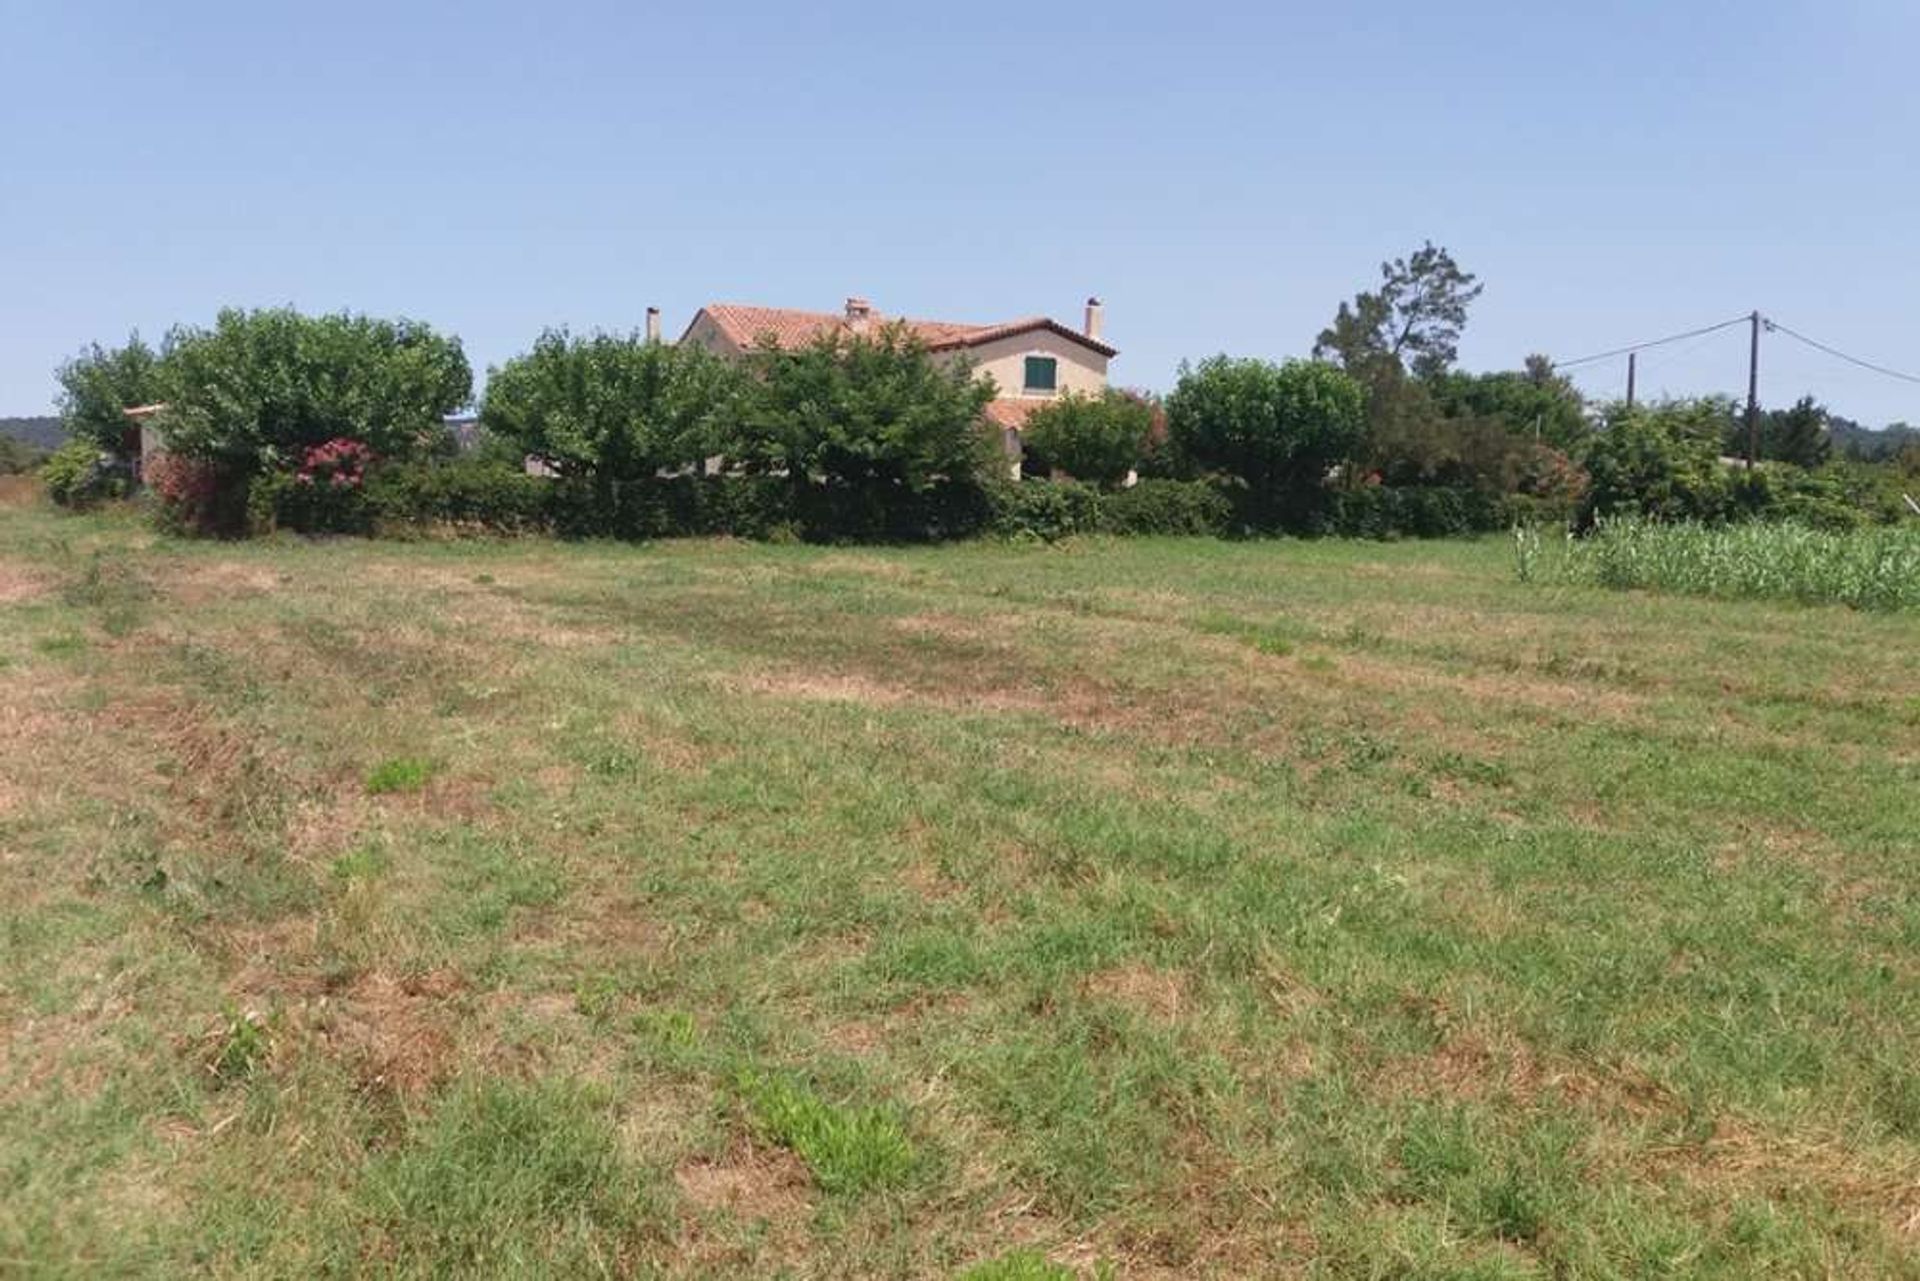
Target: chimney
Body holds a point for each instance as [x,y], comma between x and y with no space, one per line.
[653,324]
[859,315]
[1094,311]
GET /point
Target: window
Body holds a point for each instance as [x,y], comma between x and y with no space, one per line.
[1042,373]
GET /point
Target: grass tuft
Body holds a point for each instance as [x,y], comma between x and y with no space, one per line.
[851,1150]
[399,774]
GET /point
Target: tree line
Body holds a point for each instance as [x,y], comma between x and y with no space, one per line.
[339,422]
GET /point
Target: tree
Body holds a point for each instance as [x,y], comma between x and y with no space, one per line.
[1535,403]
[1280,428]
[1661,461]
[1098,439]
[261,388]
[99,385]
[611,409]
[870,413]
[1797,435]
[1411,324]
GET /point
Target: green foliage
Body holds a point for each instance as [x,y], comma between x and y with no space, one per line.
[1660,461]
[399,774]
[1056,509]
[1415,511]
[1166,507]
[476,494]
[1097,439]
[260,388]
[873,416]
[1874,569]
[850,1150]
[99,385]
[1411,323]
[1048,510]
[78,475]
[612,410]
[1279,429]
[17,456]
[1797,435]
[1534,403]
[244,1044]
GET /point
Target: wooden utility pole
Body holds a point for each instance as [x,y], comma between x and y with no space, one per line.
[1753,394]
[1632,357]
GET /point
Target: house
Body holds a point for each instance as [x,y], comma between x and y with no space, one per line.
[1030,361]
[149,424]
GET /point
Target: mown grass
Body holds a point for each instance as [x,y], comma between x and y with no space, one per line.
[1876,568]
[1144,908]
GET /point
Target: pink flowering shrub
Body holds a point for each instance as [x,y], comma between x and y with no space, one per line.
[324,493]
[339,464]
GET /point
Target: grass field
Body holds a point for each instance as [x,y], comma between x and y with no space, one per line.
[1167,908]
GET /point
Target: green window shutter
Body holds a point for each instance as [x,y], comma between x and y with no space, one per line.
[1041,373]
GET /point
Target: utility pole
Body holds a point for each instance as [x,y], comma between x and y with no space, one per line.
[1632,357]
[1753,394]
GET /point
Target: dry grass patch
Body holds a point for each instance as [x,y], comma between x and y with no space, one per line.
[1161,995]
[397,1034]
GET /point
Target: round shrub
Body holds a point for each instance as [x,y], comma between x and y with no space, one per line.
[1097,439]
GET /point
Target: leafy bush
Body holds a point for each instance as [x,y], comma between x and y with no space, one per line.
[1166,507]
[463,494]
[324,494]
[1097,439]
[261,388]
[1661,462]
[1045,509]
[99,385]
[1054,509]
[874,420]
[1280,429]
[1875,569]
[78,475]
[607,412]
[1415,511]
[200,497]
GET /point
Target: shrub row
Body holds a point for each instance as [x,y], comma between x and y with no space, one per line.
[490,497]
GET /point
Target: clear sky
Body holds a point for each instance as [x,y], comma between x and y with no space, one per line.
[1222,174]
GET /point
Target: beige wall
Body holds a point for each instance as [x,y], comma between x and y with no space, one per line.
[704,333]
[1081,368]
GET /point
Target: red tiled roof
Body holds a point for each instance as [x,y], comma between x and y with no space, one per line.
[1012,411]
[745,325]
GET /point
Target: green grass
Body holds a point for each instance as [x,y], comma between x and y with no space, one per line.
[849,1149]
[1876,568]
[400,774]
[1133,908]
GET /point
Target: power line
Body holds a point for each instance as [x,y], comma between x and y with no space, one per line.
[1657,342]
[1775,325]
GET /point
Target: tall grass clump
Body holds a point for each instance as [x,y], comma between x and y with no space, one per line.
[1876,569]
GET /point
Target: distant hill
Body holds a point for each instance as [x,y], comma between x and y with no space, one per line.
[1852,440]
[41,433]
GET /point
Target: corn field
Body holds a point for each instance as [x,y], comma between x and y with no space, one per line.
[1877,568]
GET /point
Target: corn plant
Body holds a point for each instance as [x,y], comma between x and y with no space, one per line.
[1877,569]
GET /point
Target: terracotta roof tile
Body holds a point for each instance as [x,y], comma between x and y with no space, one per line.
[745,325]
[1012,411]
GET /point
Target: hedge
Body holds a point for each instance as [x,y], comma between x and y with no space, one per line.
[495,497]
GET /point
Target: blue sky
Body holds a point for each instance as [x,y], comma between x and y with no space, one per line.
[1223,175]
